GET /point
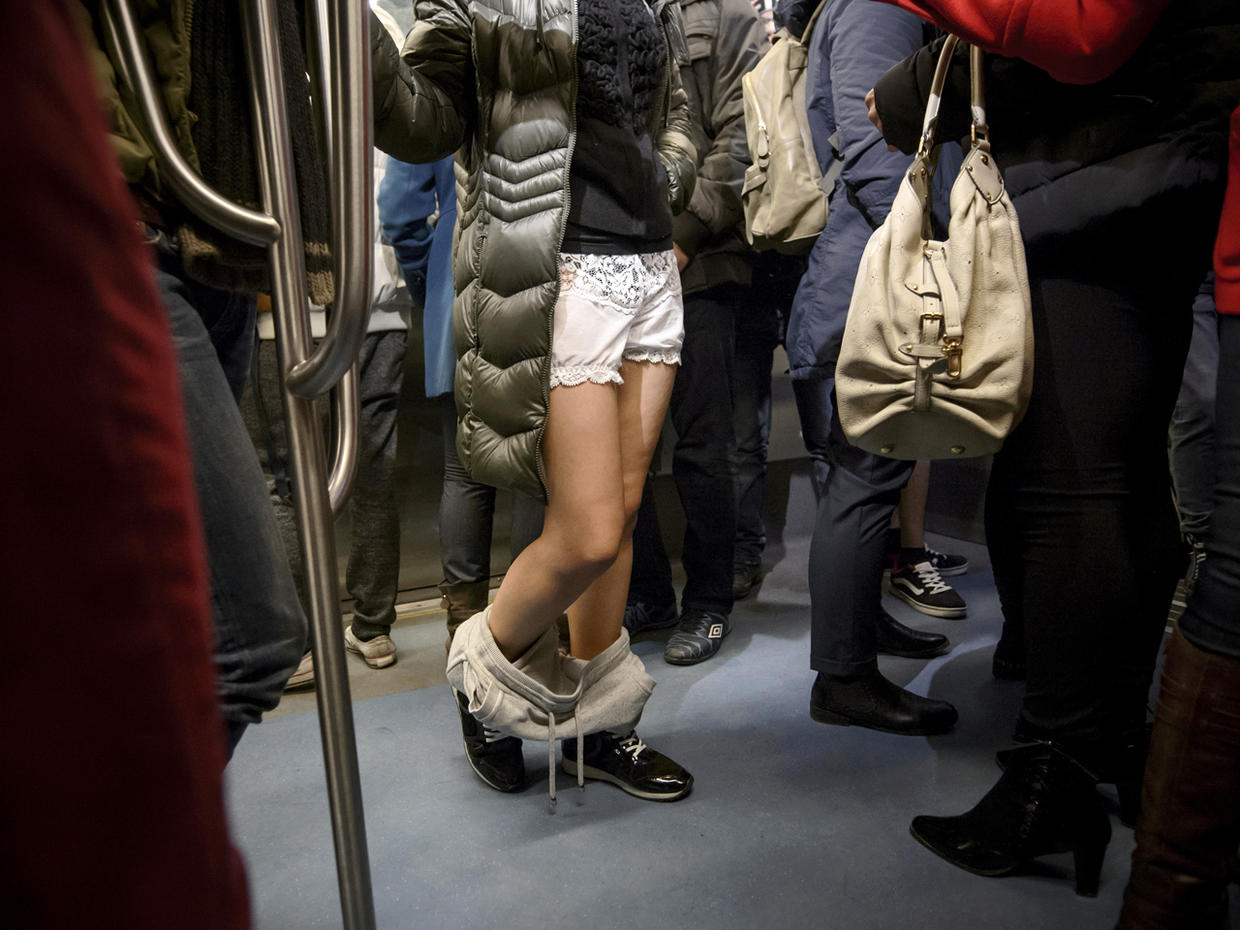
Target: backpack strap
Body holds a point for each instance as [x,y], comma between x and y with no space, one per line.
[809,26]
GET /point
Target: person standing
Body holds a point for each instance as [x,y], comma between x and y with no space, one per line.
[573,140]
[726,39]
[852,45]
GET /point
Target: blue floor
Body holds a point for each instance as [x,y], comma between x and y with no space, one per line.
[790,824]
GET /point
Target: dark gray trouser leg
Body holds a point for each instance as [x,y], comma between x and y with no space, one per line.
[846,554]
[371,577]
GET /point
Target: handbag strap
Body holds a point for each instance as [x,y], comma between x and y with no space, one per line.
[978,129]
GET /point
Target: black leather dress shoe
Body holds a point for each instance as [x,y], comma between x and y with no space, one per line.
[497,760]
[870,700]
[896,639]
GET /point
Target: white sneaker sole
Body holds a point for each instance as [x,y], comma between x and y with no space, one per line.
[946,613]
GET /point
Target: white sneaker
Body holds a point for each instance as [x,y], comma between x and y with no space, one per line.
[304,676]
[379,652]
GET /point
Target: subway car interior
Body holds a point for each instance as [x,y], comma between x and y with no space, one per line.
[352,804]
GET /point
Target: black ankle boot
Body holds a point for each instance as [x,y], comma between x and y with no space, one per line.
[870,700]
[497,760]
[1044,803]
[1119,762]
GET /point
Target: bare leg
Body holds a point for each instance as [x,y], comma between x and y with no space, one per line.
[594,619]
[912,508]
[584,521]
[596,448]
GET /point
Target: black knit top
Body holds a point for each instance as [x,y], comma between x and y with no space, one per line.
[617,184]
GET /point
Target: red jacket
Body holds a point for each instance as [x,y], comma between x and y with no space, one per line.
[1076,41]
[1080,42]
[1227,246]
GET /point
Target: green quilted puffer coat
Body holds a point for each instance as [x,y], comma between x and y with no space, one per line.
[495,82]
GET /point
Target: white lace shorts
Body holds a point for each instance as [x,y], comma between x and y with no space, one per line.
[615,307]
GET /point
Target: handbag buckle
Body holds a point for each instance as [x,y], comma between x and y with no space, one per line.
[952,349]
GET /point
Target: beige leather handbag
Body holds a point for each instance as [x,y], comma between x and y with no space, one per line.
[937,356]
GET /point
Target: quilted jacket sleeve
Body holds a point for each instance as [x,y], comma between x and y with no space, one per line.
[424,94]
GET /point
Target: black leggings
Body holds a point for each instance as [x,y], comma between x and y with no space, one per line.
[1080,521]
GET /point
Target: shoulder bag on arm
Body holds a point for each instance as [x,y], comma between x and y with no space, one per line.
[937,356]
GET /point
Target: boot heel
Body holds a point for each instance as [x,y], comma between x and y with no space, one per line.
[1087,865]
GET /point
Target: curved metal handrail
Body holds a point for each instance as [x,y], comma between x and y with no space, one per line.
[280,229]
[247,225]
[344,461]
[348,98]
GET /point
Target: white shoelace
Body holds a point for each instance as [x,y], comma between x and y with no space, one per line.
[930,578]
[632,744]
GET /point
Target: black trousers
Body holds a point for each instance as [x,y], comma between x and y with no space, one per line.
[703,464]
[1080,522]
[858,492]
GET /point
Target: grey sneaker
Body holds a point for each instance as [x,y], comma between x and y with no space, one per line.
[379,652]
[303,677]
[698,637]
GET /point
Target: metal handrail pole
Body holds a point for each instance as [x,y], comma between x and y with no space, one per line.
[247,225]
[352,170]
[344,462]
[307,460]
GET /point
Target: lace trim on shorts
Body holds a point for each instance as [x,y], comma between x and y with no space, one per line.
[596,374]
[621,282]
[666,358]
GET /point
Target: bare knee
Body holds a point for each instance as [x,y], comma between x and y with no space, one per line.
[588,547]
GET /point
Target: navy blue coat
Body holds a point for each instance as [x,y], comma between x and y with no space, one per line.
[854,43]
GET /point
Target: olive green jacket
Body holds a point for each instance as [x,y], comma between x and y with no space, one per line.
[495,82]
[164,26]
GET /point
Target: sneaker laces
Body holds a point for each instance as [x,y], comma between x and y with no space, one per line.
[632,744]
[930,579]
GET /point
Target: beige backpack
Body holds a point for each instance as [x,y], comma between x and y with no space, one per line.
[785,194]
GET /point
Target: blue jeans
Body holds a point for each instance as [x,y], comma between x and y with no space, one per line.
[260,629]
[1212,620]
[1192,424]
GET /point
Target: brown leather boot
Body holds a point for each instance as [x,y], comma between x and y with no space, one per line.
[462,601]
[1190,803]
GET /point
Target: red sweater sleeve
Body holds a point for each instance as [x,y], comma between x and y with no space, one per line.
[1075,41]
[1227,246]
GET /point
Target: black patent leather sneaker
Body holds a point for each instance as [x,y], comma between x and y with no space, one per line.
[893,638]
[630,765]
[698,636]
[871,701]
[497,760]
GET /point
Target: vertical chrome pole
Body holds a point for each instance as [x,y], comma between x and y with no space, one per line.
[308,464]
